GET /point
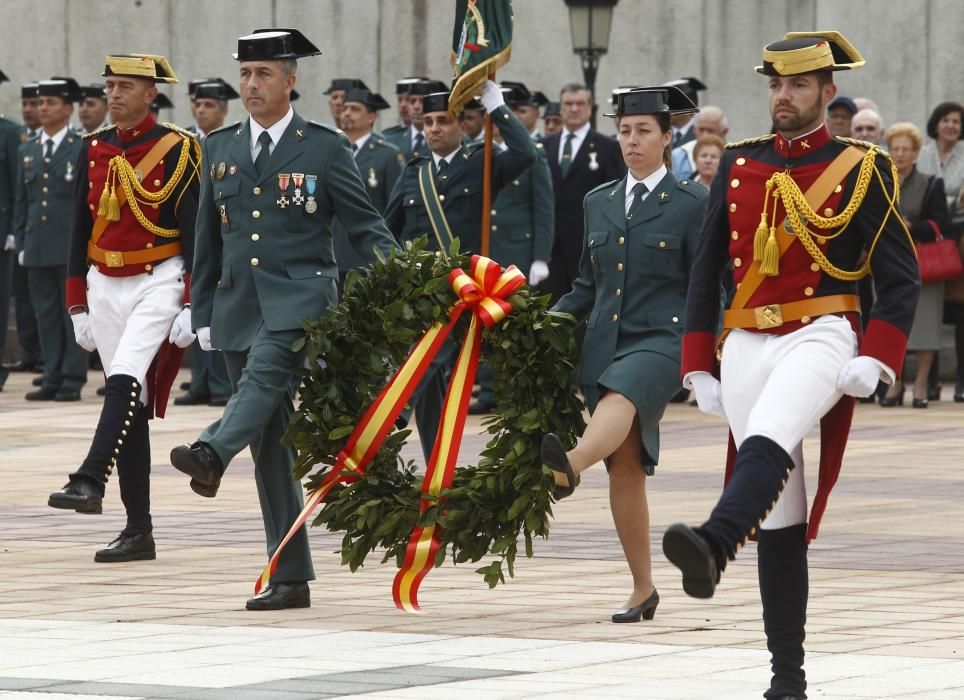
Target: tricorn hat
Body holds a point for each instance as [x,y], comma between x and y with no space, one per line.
[140,65]
[516,93]
[427,86]
[663,99]
[404,86]
[28,90]
[345,84]
[58,86]
[551,110]
[217,90]
[162,101]
[95,90]
[435,102]
[690,87]
[274,44]
[805,52]
[372,100]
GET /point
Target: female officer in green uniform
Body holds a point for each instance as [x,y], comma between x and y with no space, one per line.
[641,235]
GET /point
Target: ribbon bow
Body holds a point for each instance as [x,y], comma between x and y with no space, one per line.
[484,294]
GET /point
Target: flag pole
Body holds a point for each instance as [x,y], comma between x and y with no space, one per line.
[487,181]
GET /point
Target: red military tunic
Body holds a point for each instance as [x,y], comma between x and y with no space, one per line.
[736,202]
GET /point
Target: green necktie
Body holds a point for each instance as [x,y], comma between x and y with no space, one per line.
[262,161]
[639,189]
[567,154]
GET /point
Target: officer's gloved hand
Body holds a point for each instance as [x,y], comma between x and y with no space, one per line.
[538,272]
[181,333]
[491,97]
[859,377]
[204,338]
[82,334]
[708,393]
[10,243]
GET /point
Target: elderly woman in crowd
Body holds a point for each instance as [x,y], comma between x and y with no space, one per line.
[923,204]
[707,153]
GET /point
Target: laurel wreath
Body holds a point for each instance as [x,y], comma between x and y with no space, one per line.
[351,353]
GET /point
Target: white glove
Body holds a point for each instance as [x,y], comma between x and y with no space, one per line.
[491,97]
[538,272]
[181,333]
[82,334]
[204,338]
[708,394]
[10,243]
[20,258]
[859,377]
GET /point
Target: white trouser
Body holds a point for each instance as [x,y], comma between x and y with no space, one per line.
[131,316]
[779,387]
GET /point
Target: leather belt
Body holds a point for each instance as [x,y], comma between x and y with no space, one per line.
[775,315]
[121,258]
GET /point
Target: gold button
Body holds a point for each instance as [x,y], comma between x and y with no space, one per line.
[735,235]
[662,244]
[43,217]
[821,240]
[615,317]
[838,189]
[737,262]
[91,207]
[808,291]
[591,257]
[814,267]
[256,214]
[619,292]
[150,245]
[466,190]
[494,212]
[157,183]
[619,266]
[622,240]
[828,212]
[738,285]
[255,262]
[92,164]
[255,237]
[45,188]
[741,160]
[675,319]
[441,198]
[154,206]
[317,273]
[90,185]
[735,182]
[256,190]
[94,142]
[43,203]
[733,206]
[494,227]
[46,176]
[804,319]
[148,268]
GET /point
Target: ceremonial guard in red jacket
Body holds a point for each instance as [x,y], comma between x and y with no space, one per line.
[798,217]
[128,276]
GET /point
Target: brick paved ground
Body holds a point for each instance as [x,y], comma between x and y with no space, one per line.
[886,613]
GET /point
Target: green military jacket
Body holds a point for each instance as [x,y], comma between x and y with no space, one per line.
[9,142]
[523,217]
[263,248]
[401,138]
[379,164]
[44,210]
[460,187]
[633,275]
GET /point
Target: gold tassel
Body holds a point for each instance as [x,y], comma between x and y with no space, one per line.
[760,238]
[102,207]
[113,206]
[770,264]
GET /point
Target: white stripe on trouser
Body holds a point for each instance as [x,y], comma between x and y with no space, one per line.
[779,387]
[131,316]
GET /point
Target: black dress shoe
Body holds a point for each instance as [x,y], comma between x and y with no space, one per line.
[919,403]
[41,395]
[934,393]
[190,399]
[184,386]
[102,391]
[82,495]
[128,548]
[20,366]
[691,554]
[202,464]
[280,596]
[645,610]
[37,381]
[218,401]
[958,398]
[481,408]
[67,395]
[554,457]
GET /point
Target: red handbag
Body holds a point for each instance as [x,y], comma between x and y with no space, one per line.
[939,259]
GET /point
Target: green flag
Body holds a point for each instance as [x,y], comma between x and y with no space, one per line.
[481,43]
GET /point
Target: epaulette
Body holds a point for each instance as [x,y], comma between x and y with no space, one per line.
[101,130]
[227,127]
[416,159]
[866,145]
[752,141]
[690,188]
[183,132]
[605,186]
[326,127]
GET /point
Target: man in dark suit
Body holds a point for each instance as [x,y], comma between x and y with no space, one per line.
[580,159]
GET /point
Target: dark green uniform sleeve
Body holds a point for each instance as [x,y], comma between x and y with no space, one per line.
[520,152]
[10,135]
[582,296]
[207,251]
[20,202]
[543,208]
[394,214]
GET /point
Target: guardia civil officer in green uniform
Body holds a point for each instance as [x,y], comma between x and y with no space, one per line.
[264,257]
[412,142]
[336,95]
[641,234]
[9,140]
[451,177]
[523,221]
[379,162]
[43,220]
[393,133]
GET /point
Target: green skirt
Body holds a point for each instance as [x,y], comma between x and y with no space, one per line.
[649,380]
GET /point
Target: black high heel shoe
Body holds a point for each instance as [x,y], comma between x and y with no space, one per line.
[645,610]
[891,401]
[919,403]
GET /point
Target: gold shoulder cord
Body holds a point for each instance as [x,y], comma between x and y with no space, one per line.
[799,213]
[121,170]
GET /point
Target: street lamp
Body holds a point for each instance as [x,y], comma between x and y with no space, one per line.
[589,24]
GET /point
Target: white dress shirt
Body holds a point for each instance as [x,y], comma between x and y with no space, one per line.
[56,138]
[650,181]
[413,134]
[576,142]
[275,131]
[448,159]
[360,143]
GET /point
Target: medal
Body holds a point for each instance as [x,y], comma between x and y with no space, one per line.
[221,170]
[311,206]
[69,173]
[232,170]
[224,215]
[372,180]
[593,164]
[297,198]
[212,172]
[283,186]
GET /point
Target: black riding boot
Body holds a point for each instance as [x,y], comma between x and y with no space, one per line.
[784,587]
[134,476]
[116,419]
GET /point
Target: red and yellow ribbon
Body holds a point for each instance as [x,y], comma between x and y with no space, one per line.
[484,294]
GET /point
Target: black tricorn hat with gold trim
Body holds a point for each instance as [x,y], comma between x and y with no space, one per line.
[664,99]
[140,65]
[806,52]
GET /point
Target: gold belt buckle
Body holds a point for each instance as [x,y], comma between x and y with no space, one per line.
[114,258]
[769,316]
